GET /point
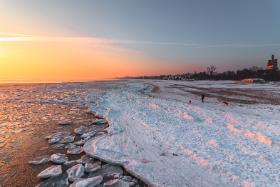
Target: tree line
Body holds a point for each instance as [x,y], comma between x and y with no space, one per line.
[211,74]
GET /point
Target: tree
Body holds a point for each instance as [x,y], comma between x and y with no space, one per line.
[254,68]
[211,70]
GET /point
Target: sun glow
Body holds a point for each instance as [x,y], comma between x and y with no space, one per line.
[11,37]
[66,59]
[45,58]
[14,39]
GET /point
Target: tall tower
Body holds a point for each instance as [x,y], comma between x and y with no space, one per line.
[272,64]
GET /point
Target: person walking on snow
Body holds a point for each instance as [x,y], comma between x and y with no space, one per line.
[202,98]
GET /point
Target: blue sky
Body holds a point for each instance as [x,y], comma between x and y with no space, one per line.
[230,34]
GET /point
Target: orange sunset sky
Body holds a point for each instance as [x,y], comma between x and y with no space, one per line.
[34,58]
[40,50]
[69,40]
[31,58]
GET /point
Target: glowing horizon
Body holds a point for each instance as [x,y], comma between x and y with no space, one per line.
[57,41]
[27,58]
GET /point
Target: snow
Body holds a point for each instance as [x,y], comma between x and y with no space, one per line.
[162,139]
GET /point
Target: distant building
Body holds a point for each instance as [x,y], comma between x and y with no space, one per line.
[272,64]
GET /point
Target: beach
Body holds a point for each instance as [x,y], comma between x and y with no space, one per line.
[157,134]
[30,113]
[151,131]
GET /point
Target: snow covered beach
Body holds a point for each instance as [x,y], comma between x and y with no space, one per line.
[158,136]
[154,132]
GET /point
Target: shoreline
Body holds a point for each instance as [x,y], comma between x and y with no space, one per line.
[154,133]
[25,123]
[75,157]
[119,178]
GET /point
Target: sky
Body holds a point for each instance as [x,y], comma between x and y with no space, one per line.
[70,40]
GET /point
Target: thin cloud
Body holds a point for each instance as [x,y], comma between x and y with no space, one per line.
[241,45]
[194,45]
[15,37]
[13,34]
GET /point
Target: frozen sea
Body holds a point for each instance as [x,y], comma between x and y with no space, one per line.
[157,134]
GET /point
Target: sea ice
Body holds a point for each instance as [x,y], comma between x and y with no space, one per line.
[165,141]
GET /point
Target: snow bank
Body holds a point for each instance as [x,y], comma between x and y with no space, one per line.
[167,142]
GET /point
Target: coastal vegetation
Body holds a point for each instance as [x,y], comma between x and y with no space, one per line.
[211,74]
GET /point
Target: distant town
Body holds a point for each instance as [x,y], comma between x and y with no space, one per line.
[253,74]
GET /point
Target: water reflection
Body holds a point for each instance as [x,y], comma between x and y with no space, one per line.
[27,114]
